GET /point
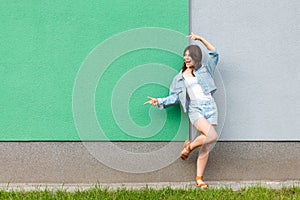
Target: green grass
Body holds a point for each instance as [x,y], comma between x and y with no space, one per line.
[103,194]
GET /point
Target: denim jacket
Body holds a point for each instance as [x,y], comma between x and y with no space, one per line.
[204,75]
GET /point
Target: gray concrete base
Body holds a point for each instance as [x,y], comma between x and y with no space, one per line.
[71,163]
[157,186]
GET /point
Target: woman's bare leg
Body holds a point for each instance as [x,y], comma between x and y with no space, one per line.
[208,133]
[202,161]
[208,136]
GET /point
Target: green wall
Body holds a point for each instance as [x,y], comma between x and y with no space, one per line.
[44,45]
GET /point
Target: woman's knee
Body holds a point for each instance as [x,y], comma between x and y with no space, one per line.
[205,148]
[204,151]
[214,136]
[212,133]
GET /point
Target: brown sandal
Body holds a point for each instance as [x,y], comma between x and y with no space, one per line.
[186,150]
[201,185]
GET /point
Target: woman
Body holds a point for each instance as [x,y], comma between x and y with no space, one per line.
[193,87]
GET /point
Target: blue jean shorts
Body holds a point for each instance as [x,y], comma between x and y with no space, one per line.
[207,109]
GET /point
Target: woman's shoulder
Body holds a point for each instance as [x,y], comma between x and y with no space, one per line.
[202,69]
[178,76]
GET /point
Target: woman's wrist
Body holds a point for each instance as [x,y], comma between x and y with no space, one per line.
[200,38]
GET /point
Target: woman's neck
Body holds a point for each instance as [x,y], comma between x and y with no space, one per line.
[188,72]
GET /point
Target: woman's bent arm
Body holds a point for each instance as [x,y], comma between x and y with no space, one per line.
[208,45]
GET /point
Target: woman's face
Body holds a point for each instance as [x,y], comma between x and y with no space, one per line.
[189,62]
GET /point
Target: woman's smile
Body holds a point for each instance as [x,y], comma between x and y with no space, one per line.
[189,62]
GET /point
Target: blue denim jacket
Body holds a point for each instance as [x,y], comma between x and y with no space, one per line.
[204,75]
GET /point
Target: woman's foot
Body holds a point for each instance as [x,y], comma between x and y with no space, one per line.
[186,150]
[200,183]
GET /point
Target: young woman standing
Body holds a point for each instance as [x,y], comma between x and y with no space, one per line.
[192,87]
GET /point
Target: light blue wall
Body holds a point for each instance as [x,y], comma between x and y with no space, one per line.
[258,43]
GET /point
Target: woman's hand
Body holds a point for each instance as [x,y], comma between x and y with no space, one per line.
[201,39]
[152,101]
[194,37]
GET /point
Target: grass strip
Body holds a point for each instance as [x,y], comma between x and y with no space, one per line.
[256,192]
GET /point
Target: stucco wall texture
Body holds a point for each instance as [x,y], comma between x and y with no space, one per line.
[44,46]
[259,65]
[71,162]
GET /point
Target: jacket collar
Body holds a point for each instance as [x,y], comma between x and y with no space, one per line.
[180,77]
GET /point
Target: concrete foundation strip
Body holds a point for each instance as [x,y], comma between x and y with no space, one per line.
[136,186]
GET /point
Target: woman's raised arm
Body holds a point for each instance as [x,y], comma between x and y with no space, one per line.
[208,45]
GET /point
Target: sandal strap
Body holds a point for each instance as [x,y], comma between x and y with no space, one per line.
[201,185]
[187,146]
[199,178]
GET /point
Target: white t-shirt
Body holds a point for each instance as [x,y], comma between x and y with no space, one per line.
[194,89]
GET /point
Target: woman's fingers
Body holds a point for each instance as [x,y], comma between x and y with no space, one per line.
[193,36]
[148,102]
[152,101]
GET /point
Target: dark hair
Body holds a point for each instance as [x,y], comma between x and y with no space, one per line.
[196,55]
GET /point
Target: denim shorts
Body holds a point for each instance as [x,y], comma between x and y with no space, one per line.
[207,109]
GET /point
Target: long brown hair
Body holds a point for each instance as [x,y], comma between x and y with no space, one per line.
[196,55]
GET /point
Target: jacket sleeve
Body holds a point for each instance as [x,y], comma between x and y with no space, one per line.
[212,61]
[172,98]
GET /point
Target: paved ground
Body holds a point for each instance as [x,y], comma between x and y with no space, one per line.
[174,185]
